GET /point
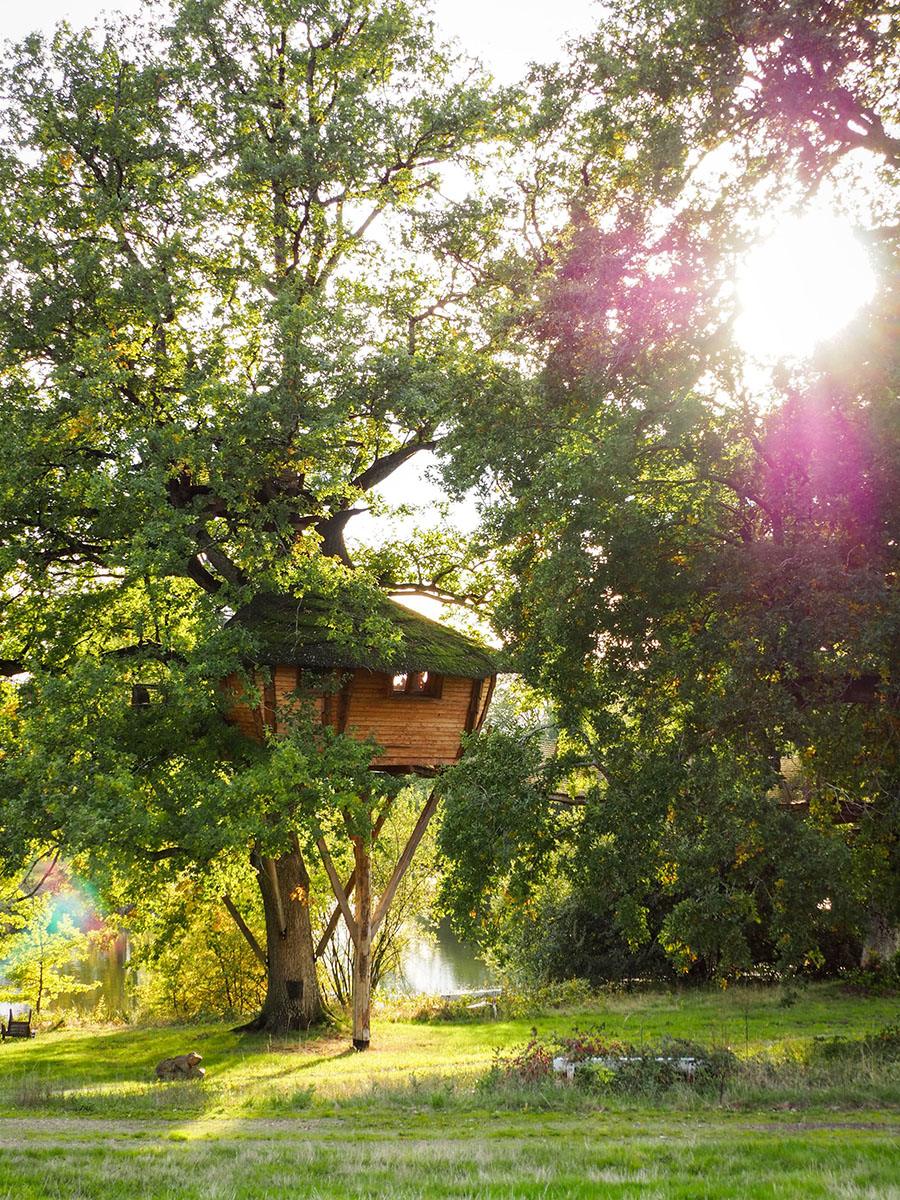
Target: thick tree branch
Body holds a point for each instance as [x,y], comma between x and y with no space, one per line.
[147,650]
[567,801]
[382,467]
[217,558]
[272,874]
[331,530]
[469,600]
[195,570]
[43,879]
[166,852]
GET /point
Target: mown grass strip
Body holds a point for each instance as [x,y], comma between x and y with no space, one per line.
[525,1157]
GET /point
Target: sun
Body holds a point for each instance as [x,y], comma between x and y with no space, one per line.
[801,286]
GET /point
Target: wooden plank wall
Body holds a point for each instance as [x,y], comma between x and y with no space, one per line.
[414,730]
[247,719]
[419,731]
[278,698]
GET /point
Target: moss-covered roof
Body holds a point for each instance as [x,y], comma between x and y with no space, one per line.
[325,632]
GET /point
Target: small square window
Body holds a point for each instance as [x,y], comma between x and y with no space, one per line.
[416,683]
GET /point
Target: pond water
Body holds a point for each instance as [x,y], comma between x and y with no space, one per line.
[437,963]
[107,967]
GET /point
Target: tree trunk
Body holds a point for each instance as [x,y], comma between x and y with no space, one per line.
[362,957]
[882,940]
[293,1001]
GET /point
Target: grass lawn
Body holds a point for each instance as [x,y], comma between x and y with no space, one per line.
[81,1117]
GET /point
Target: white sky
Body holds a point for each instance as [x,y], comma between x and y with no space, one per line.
[504,34]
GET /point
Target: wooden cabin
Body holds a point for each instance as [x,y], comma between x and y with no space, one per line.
[381,672]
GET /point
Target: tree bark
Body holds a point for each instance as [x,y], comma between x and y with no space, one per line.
[293,1001]
[882,940]
[362,957]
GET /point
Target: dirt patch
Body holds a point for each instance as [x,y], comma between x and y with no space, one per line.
[812,1126]
[14,1129]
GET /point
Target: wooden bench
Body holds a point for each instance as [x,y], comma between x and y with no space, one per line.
[17,1027]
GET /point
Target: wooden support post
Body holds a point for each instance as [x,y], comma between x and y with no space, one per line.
[339,894]
[350,884]
[362,958]
[405,859]
[244,928]
[472,712]
[332,925]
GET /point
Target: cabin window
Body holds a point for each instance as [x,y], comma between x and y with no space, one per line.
[416,683]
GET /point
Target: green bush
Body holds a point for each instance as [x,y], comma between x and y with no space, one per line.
[879,977]
[883,1046]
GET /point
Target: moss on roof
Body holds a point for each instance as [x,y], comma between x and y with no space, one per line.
[329,632]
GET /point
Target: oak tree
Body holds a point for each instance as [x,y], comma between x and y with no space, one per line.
[227,316]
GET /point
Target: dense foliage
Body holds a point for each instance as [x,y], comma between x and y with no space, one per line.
[236,298]
[703,556]
[226,318]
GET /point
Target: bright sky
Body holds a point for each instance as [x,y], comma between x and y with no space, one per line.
[504,34]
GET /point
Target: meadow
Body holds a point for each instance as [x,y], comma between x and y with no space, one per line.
[812,1108]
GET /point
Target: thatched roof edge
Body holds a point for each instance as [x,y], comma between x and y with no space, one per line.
[323,633]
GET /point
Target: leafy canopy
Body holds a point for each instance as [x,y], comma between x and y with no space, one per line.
[702,560]
[227,316]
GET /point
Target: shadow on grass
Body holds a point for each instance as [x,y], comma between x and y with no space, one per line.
[111,1072]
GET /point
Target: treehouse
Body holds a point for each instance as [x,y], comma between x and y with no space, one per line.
[372,671]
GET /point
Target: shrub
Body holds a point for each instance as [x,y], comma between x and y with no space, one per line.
[531,1063]
[882,1046]
[623,1067]
[590,1043]
[879,977]
[196,963]
[885,1044]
